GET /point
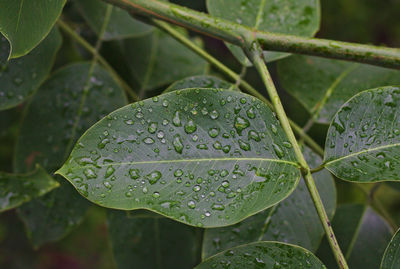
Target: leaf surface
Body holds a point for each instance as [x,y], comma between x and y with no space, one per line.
[121,24]
[362,235]
[263,255]
[26,23]
[19,78]
[294,220]
[297,17]
[16,189]
[204,81]
[391,258]
[363,141]
[322,86]
[203,157]
[66,105]
[147,240]
[157,59]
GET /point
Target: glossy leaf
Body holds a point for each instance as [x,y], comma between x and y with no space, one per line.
[19,78]
[362,235]
[121,24]
[147,240]
[263,255]
[64,107]
[16,189]
[157,59]
[26,23]
[363,139]
[294,220]
[187,155]
[297,17]
[391,258]
[322,86]
[204,81]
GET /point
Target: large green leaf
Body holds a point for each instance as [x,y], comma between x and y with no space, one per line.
[26,23]
[297,17]
[19,78]
[66,105]
[204,81]
[121,24]
[203,157]
[157,59]
[363,141]
[391,258]
[322,85]
[16,189]
[362,235]
[147,240]
[263,255]
[294,220]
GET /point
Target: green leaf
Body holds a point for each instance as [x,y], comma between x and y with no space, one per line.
[297,17]
[19,78]
[362,235]
[66,105]
[292,221]
[263,255]
[363,139]
[203,81]
[147,240]
[202,157]
[121,24]
[16,189]
[26,23]
[391,258]
[157,59]
[322,86]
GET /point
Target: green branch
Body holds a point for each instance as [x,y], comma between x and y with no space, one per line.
[86,45]
[236,34]
[255,54]
[234,76]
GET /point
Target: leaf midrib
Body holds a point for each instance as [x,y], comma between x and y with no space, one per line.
[194,160]
[361,152]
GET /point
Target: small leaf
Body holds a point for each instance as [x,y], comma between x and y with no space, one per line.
[157,59]
[63,108]
[16,189]
[19,78]
[323,85]
[294,220]
[297,17]
[147,240]
[263,255]
[391,258]
[363,139]
[204,81]
[202,157]
[362,235]
[26,23]
[121,24]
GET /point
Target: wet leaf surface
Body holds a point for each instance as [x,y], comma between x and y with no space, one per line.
[391,258]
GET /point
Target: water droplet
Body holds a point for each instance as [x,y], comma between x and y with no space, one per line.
[278,150]
[134,173]
[153,177]
[178,145]
[214,114]
[156,194]
[110,170]
[218,207]
[89,173]
[152,127]
[191,204]
[177,119]
[241,124]
[190,127]
[243,145]
[213,132]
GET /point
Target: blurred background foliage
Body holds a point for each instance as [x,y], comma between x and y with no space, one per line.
[363,21]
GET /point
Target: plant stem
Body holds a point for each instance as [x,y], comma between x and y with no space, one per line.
[255,54]
[86,45]
[234,76]
[236,34]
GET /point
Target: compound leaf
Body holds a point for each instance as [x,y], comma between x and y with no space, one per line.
[26,23]
[203,157]
[263,255]
[363,141]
